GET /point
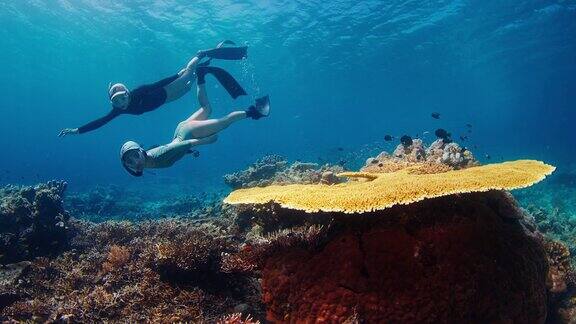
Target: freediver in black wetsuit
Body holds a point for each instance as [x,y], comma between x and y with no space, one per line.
[150,97]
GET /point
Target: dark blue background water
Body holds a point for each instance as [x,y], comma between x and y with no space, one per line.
[339,74]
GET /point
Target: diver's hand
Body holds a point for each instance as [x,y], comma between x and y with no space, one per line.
[201,54]
[67,131]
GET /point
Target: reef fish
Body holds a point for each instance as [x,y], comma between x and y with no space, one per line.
[406,140]
[388,138]
[435,115]
[443,134]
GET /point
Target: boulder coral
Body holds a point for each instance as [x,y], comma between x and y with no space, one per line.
[460,259]
[33,221]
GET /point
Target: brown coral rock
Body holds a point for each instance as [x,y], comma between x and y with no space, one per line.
[445,260]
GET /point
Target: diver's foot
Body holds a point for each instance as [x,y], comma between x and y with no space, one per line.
[260,109]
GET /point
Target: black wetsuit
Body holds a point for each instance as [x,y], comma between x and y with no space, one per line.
[142,99]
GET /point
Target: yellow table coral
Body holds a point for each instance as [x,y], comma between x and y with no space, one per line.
[376,191]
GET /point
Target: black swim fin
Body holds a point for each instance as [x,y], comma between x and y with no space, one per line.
[226,53]
[232,86]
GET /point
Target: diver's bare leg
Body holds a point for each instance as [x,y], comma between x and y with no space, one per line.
[179,87]
[205,108]
[205,128]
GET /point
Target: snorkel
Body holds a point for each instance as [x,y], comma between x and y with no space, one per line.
[119,95]
[133,158]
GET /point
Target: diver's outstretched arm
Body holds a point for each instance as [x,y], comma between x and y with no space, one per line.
[91,125]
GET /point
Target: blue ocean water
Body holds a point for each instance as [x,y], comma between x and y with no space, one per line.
[340,74]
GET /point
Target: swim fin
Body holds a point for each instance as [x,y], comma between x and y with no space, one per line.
[232,86]
[226,53]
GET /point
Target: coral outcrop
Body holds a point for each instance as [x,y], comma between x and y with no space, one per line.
[438,157]
[384,190]
[274,169]
[422,237]
[33,221]
[415,152]
[450,154]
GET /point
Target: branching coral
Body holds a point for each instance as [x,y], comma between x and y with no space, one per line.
[388,189]
[236,318]
[118,257]
[191,258]
[117,272]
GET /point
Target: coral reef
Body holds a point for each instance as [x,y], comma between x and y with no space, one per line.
[162,271]
[466,258]
[384,190]
[274,169]
[33,221]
